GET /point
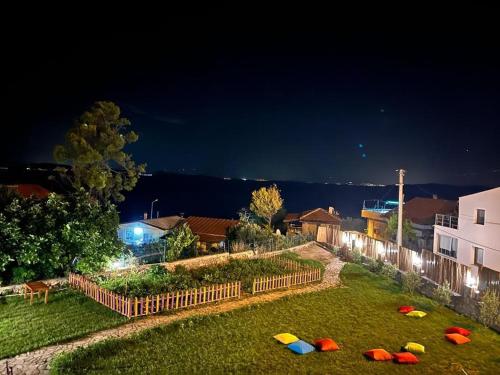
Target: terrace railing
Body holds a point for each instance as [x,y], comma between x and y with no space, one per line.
[446,221]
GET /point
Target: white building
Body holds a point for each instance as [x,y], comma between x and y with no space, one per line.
[148,230]
[472,238]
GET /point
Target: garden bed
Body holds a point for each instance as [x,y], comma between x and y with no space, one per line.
[157,279]
[156,289]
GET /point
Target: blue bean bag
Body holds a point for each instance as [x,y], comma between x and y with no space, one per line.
[301,347]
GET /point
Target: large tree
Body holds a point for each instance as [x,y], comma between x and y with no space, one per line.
[43,238]
[94,148]
[266,202]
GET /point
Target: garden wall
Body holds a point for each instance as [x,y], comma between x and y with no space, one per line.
[216,259]
[16,289]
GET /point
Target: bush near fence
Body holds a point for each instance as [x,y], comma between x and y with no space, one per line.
[301,274]
[134,307]
[429,265]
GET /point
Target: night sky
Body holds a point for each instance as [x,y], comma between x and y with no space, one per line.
[303,104]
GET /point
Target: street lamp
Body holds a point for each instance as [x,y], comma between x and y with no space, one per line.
[152,203]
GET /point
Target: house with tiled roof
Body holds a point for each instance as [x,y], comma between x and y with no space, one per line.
[322,225]
[211,231]
[421,212]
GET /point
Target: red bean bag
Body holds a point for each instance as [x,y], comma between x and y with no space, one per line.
[326,345]
[457,339]
[405,358]
[459,330]
[406,309]
[378,355]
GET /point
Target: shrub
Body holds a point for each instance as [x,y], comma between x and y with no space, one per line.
[411,282]
[345,254]
[489,310]
[374,266]
[388,270]
[238,247]
[443,293]
[157,271]
[22,274]
[357,257]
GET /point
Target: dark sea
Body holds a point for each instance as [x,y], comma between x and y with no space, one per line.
[217,197]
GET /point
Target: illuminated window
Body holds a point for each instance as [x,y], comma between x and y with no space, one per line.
[448,246]
[480,216]
[129,235]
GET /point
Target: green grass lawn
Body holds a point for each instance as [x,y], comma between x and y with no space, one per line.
[359,317]
[68,315]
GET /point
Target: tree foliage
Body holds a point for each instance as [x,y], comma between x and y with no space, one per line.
[180,239]
[46,238]
[392,228]
[266,202]
[94,147]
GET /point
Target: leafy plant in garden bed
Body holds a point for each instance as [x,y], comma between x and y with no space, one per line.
[157,279]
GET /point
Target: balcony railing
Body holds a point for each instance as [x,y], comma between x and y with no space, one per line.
[446,221]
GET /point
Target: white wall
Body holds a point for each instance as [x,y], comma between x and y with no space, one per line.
[149,233]
[485,236]
[472,235]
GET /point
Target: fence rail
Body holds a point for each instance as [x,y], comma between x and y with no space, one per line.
[428,264]
[133,306]
[263,284]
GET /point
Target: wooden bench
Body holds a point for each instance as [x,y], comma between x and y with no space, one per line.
[36,287]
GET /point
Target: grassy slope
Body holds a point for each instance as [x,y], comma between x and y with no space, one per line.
[67,315]
[359,317]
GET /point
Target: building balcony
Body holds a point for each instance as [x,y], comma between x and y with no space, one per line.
[446,221]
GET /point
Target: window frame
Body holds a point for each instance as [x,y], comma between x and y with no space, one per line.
[483,216]
[476,248]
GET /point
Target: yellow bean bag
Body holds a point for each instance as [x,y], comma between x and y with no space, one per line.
[286,338]
[416,314]
[414,347]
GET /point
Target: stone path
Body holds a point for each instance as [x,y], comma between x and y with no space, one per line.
[37,362]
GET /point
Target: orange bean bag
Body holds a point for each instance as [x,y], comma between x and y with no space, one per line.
[406,309]
[405,358]
[459,330]
[378,355]
[326,345]
[457,339]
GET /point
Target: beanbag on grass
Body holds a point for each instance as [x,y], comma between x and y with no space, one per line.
[406,309]
[414,347]
[326,345]
[286,338]
[405,358]
[459,330]
[378,355]
[416,314]
[457,339]
[301,347]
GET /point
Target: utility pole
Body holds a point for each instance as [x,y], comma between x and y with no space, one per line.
[400,211]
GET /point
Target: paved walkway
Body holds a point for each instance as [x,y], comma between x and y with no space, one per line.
[37,362]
